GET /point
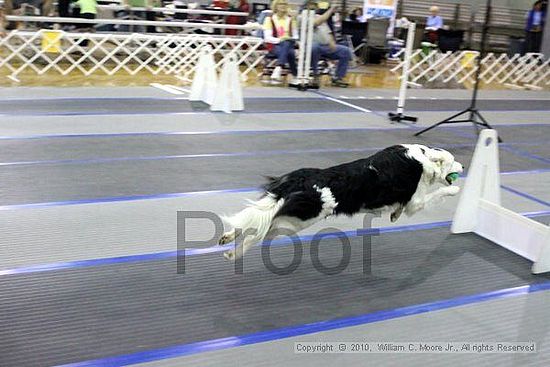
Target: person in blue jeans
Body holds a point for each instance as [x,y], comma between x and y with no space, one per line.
[325,46]
[280,33]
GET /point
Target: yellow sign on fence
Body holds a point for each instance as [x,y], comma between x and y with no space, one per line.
[51,41]
[468,59]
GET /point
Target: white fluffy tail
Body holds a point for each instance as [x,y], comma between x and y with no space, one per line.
[255,220]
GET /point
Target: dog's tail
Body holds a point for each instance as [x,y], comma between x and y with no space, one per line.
[256,218]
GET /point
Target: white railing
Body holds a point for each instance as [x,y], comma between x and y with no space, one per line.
[182,24]
[105,53]
[174,10]
[530,71]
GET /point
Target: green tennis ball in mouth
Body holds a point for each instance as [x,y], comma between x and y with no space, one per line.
[452,177]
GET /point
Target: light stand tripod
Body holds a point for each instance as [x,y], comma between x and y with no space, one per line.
[472,112]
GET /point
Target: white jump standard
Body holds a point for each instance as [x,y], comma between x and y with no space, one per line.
[479,209]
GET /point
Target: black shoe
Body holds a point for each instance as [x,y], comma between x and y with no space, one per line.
[315,82]
[339,83]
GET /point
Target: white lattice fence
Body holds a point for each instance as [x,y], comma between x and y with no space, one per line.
[91,53]
[528,71]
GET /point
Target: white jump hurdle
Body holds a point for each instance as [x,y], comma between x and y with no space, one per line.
[479,209]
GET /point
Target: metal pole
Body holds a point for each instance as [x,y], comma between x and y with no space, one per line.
[406,65]
[398,116]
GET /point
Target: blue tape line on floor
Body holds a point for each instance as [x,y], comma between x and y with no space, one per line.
[208,250]
[525,195]
[315,327]
[171,195]
[243,132]
[125,198]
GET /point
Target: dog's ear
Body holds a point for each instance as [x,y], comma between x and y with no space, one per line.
[437,160]
[436,168]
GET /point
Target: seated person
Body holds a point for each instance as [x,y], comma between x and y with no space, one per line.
[26,7]
[356,16]
[280,33]
[433,23]
[324,45]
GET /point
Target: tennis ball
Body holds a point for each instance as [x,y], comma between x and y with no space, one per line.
[452,176]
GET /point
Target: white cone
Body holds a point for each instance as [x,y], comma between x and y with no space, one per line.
[237,102]
[205,81]
[211,78]
[229,95]
[199,80]
[222,98]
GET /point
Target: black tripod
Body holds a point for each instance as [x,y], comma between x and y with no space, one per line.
[473,114]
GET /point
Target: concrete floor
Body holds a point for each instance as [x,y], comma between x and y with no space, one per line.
[88,185]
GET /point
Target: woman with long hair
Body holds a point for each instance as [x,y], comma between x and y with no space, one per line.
[280,34]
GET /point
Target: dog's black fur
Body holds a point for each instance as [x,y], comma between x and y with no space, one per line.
[385,178]
[399,179]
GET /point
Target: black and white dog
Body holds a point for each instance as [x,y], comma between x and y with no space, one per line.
[399,179]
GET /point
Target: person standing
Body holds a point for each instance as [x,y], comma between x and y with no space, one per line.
[534,27]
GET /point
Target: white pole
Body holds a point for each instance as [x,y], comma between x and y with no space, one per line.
[405,77]
[309,45]
[302,48]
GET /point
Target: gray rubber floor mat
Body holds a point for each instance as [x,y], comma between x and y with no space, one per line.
[17,150]
[93,106]
[99,106]
[455,104]
[60,182]
[58,317]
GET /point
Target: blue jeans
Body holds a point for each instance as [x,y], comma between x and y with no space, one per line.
[342,54]
[285,54]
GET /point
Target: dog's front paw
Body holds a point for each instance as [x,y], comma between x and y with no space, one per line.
[226,238]
[452,190]
[229,255]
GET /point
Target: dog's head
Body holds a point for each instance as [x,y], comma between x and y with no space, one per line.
[439,165]
[445,168]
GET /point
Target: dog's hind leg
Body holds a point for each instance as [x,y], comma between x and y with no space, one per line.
[254,222]
[227,237]
[240,249]
[396,214]
[281,226]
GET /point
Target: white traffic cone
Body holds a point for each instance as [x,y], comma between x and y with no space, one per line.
[211,78]
[222,97]
[199,79]
[236,91]
[229,95]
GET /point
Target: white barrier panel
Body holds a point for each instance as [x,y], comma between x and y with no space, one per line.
[518,72]
[479,209]
[89,53]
